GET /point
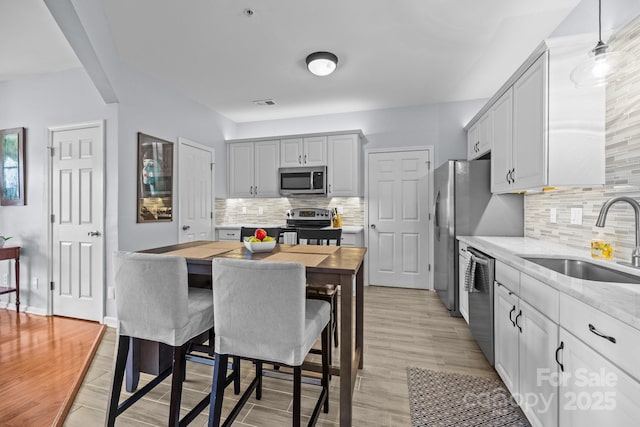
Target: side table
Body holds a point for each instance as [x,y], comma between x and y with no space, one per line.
[12,252]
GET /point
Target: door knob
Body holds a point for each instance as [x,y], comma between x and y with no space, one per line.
[372,226]
[186,227]
[93,233]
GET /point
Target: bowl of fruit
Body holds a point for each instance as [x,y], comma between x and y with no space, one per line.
[260,242]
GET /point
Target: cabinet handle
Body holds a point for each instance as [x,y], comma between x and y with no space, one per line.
[513,310]
[513,175]
[305,159]
[557,352]
[329,188]
[255,190]
[251,190]
[299,159]
[606,337]
[507,177]
[517,317]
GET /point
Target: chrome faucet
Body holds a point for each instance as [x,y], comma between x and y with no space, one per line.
[635,255]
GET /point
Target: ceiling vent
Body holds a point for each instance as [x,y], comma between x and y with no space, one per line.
[264,102]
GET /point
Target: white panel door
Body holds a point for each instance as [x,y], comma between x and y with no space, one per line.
[196,194]
[398,231]
[77,203]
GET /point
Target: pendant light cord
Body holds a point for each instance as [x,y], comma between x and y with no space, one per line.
[600,20]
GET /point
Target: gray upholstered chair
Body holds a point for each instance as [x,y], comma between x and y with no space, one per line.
[154,302]
[261,313]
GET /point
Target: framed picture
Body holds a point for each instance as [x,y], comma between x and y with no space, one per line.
[12,172]
[155,179]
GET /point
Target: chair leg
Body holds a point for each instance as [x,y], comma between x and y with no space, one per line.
[297,392]
[326,352]
[336,331]
[118,376]
[236,373]
[259,377]
[178,375]
[217,389]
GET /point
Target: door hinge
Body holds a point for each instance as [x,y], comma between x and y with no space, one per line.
[428,165]
[211,166]
[51,287]
[51,151]
[429,267]
[429,216]
[53,218]
[211,214]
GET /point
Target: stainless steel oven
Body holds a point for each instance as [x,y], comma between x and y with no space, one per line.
[479,277]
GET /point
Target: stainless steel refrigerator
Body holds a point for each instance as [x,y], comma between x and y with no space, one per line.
[464,206]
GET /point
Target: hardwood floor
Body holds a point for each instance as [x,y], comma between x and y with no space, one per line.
[403,327]
[42,362]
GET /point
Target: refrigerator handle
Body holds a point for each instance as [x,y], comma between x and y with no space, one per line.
[436,208]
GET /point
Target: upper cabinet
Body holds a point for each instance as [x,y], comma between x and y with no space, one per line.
[344,168]
[544,131]
[252,169]
[307,151]
[479,138]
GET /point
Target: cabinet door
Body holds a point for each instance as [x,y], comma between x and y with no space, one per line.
[314,151]
[344,166]
[484,134]
[501,124]
[538,367]
[290,152]
[595,393]
[529,126]
[267,160]
[506,337]
[240,170]
[473,135]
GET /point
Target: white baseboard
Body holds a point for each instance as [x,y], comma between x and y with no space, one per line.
[111,322]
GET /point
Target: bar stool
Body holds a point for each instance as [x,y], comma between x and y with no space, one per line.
[261,314]
[155,303]
[325,292]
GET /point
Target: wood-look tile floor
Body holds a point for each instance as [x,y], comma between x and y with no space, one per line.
[402,327]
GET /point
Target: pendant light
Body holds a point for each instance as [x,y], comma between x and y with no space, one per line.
[602,66]
[322,63]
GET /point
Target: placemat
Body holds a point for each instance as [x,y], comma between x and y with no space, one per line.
[200,252]
[309,260]
[312,249]
[223,244]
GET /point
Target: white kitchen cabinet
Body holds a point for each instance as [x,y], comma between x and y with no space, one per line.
[344,166]
[595,392]
[304,151]
[228,234]
[553,135]
[252,169]
[463,295]
[352,238]
[525,347]
[479,138]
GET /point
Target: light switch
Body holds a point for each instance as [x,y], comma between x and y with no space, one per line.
[576,216]
[553,215]
[260,210]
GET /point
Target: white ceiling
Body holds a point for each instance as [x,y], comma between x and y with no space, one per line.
[391,53]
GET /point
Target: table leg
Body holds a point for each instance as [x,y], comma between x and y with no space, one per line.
[360,315]
[346,349]
[18,285]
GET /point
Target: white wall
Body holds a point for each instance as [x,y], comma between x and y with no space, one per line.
[440,125]
[37,103]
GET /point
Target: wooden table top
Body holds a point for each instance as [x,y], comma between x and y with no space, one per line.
[347,260]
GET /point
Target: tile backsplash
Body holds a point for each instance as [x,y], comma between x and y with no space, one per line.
[622,169]
[230,211]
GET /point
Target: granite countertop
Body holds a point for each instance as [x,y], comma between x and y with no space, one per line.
[345,228]
[619,300]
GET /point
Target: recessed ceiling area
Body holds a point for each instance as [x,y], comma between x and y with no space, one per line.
[391,54]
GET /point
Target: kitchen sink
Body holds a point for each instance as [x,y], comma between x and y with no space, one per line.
[584,270]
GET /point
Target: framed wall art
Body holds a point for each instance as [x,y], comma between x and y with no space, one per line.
[155,179]
[12,167]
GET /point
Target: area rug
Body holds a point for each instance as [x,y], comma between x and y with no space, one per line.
[442,399]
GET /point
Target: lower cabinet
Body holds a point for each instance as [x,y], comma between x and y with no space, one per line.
[593,391]
[228,234]
[463,295]
[525,344]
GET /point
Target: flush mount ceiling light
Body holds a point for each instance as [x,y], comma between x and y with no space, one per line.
[602,66]
[322,63]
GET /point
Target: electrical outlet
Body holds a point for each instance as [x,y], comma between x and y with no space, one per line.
[260,210]
[111,292]
[5,279]
[340,210]
[553,215]
[576,216]
[244,209]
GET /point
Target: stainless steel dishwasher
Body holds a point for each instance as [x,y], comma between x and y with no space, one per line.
[479,281]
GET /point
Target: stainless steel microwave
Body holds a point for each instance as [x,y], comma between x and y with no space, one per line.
[303,180]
